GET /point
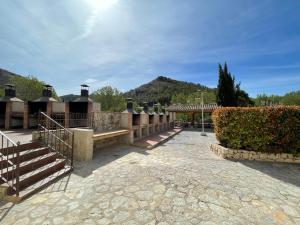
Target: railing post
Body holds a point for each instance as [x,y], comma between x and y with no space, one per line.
[72,150]
[18,172]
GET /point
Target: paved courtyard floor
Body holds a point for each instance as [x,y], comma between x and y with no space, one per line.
[180,182]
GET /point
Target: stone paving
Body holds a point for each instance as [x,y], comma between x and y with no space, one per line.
[180,182]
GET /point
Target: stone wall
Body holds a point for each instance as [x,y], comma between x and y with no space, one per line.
[228,153]
[105,121]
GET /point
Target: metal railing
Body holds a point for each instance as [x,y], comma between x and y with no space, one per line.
[9,163]
[56,137]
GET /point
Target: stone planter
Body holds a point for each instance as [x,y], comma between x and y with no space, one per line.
[228,153]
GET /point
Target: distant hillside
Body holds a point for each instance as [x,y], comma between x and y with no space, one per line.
[28,88]
[5,76]
[68,98]
[162,89]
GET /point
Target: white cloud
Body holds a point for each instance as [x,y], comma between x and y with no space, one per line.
[90,81]
[97,7]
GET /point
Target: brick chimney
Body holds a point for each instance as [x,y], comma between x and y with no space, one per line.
[156,108]
[47,91]
[145,107]
[84,90]
[129,107]
[10,90]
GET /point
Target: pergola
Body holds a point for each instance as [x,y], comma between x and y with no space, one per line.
[192,109]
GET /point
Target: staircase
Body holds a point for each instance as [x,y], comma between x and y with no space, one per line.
[27,168]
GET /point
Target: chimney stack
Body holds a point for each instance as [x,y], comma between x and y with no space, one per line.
[145,108]
[156,108]
[10,90]
[129,105]
[47,91]
[84,90]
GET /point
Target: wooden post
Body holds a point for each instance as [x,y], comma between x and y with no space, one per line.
[193,119]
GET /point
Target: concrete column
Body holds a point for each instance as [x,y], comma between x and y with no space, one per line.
[8,113]
[49,108]
[155,123]
[26,118]
[126,123]
[90,107]
[83,144]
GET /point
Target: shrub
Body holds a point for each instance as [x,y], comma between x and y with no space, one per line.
[266,129]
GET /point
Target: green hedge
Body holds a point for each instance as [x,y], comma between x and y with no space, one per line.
[265,129]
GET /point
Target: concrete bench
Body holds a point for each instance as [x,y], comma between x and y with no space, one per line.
[109,134]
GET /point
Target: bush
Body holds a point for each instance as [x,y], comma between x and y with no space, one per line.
[265,129]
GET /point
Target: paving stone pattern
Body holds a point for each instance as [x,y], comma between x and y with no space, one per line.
[181,182]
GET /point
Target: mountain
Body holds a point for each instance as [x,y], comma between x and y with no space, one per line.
[5,76]
[68,98]
[162,89]
[28,88]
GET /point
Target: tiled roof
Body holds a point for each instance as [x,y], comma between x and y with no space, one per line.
[192,108]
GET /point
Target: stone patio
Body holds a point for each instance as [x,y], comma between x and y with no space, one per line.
[179,182]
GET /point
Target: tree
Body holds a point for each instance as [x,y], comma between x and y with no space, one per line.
[1,92]
[292,98]
[229,93]
[28,88]
[226,95]
[181,98]
[242,97]
[111,99]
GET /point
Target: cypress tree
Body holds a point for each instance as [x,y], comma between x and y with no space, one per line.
[229,93]
[221,87]
[226,88]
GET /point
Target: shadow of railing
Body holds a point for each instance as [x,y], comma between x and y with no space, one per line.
[5,208]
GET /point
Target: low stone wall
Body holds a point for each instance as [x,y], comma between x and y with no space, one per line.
[228,153]
[104,121]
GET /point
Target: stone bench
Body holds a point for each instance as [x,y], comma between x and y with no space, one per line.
[109,134]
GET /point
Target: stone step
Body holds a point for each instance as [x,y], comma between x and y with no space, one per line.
[23,147]
[27,154]
[36,175]
[29,165]
[37,186]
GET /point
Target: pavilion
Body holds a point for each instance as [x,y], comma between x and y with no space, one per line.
[192,109]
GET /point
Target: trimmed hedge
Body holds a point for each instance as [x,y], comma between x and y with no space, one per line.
[265,129]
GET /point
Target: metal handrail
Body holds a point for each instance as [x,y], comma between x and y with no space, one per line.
[5,163]
[53,135]
[58,138]
[56,123]
[6,137]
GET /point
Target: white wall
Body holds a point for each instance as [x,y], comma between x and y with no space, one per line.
[58,107]
[17,106]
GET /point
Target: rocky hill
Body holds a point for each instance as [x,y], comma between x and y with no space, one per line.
[162,88]
[5,76]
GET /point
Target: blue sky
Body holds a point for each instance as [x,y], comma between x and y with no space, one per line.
[125,43]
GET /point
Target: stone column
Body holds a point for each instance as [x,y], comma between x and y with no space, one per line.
[8,112]
[126,123]
[49,109]
[83,144]
[90,107]
[26,118]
